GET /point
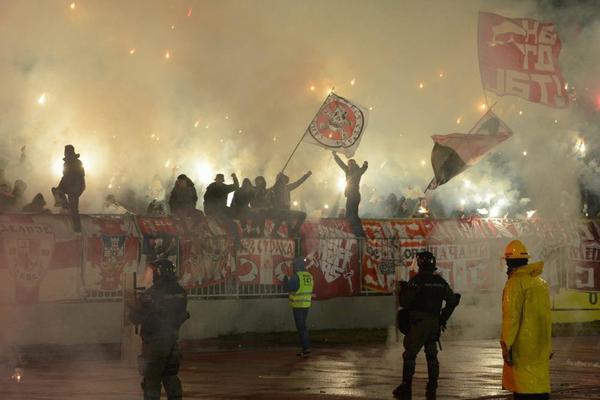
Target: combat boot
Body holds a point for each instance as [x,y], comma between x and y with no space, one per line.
[430,392]
[433,373]
[403,391]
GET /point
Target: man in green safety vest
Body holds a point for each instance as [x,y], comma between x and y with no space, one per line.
[300,286]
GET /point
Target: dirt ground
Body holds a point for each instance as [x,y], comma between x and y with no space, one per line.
[469,370]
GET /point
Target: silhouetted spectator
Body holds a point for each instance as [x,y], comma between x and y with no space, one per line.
[215,204]
[112,206]
[240,204]
[390,208]
[7,199]
[183,197]
[215,197]
[37,205]
[156,208]
[260,204]
[19,194]
[71,186]
[281,204]
[353,174]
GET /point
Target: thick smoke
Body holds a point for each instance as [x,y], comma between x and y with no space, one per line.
[234,95]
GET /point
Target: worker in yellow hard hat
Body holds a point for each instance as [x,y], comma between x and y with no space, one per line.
[526,326]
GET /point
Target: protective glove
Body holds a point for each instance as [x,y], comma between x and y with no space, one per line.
[443,325]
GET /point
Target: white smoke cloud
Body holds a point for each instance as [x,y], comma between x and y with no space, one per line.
[235,95]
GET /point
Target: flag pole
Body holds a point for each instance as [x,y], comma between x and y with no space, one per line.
[293,151]
[304,134]
[479,60]
[482,117]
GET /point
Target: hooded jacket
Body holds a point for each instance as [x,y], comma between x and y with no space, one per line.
[526,331]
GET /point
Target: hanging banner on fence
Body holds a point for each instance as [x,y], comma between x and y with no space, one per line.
[332,255]
[40,259]
[583,271]
[264,261]
[160,237]
[519,57]
[205,252]
[468,267]
[111,247]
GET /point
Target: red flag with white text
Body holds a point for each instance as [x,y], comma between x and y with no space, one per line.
[519,57]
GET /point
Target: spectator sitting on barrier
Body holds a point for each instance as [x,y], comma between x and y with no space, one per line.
[259,204]
[156,208]
[7,199]
[18,193]
[281,204]
[37,205]
[215,204]
[240,204]
[112,206]
[183,197]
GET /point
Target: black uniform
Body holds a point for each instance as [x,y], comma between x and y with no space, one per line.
[423,297]
[161,311]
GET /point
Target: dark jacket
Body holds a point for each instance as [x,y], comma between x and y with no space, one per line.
[425,293]
[73,179]
[242,198]
[260,198]
[183,198]
[215,198]
[281,192]
[161,310]
[353,175]
[37,205]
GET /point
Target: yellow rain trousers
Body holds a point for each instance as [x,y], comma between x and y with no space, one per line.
[526,331]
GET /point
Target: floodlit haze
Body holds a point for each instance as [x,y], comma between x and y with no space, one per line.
[141,87]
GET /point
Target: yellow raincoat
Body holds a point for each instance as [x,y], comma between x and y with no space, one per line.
[526,331]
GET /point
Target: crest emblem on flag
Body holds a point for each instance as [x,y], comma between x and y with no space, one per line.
[29,257]
[338,125]
[113,260]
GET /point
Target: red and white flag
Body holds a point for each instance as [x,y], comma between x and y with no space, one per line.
[519,57]
[339,125]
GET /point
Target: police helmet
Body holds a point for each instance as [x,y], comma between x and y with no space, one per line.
[426,261]
[163,270]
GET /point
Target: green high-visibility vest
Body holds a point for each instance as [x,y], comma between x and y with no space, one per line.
[301,297]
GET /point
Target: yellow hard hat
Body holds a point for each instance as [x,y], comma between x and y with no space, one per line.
[515,249]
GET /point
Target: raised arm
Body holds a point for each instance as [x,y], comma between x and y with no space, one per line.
[294,185]
[364,167]
[339,162]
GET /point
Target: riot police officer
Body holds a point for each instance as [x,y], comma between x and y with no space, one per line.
[422,297]
[161,310]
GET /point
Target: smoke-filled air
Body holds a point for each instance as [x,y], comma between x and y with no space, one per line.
[146,91]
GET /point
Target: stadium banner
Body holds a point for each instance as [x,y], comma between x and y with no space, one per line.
[264,261]
[40,259]
[332,258]
[111,246]
[205,252]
